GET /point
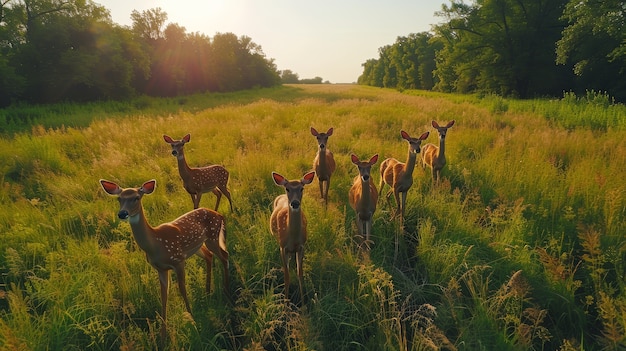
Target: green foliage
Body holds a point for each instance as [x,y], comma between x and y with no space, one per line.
[508,47]
[520,247]
[52,51]
[407,64]
[593,42]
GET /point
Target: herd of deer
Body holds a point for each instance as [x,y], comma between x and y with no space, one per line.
[203,232]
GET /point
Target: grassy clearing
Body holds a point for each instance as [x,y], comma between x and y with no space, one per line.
[521,247]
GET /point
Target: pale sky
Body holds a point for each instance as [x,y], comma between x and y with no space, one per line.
[320,38]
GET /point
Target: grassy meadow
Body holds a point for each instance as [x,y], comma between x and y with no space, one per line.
[521,247]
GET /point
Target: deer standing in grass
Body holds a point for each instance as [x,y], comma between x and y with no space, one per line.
[288,224]
[433,156]
[363,197]
[197,181]
[324,163]
[167,246]
[399,175]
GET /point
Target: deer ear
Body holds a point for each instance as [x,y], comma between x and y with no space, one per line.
[405,135]
[354,159]
[167,139]
[450,124]
[148,187]
[314,132]
[373,160]
[278,179]
[330,132]
[435,124]
[424,136]
[110,187]
[308,178]
[187,138]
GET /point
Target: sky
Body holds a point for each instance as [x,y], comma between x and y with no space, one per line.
[330,39]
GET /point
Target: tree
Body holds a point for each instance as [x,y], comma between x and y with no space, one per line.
[316,80]
[149,24]
[408,64]
[595,43]
[289,77]
[70,50]
[12,83]
[54,50]
[501,46]
[373,72]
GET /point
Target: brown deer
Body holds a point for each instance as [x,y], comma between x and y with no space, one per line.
[399,175]
[363,197]
[324,163]
[288,224]
[167,246]
[433,156]
[197,181]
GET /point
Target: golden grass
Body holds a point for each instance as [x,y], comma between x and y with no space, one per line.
[520,194]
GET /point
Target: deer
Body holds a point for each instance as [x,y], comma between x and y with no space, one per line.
[398,175]
[198,181]
[167,246]
[433,156]
[288,224]
[363,196]
[324,163]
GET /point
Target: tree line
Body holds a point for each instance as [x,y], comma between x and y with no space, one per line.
[522,48]
[287,76]
[71,50]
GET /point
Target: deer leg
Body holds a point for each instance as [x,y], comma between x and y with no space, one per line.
[364,230]
[225,191]
[223,256]
[396,195]
[327,187]
[215,248]
[299,259]
[388,197]
[218,194]
[321,183]
[179,269]
[359,227]
[403,203]
[207,255]
[164,279]
[196,200]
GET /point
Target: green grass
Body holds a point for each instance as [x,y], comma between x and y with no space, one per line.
[521,246]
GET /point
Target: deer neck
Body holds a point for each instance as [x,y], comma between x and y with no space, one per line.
[294,223]
[142,231]
[442,149]
[183,169]
[321,158]
[366,196]
[410,164]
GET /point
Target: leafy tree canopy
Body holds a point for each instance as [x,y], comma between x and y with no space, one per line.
[519,48]
[56,50]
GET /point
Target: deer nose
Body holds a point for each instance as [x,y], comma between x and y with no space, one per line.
[322,146]
[365,177]
[295,204]
[123,214]
[174,152]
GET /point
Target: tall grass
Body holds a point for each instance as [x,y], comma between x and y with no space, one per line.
[521,246]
